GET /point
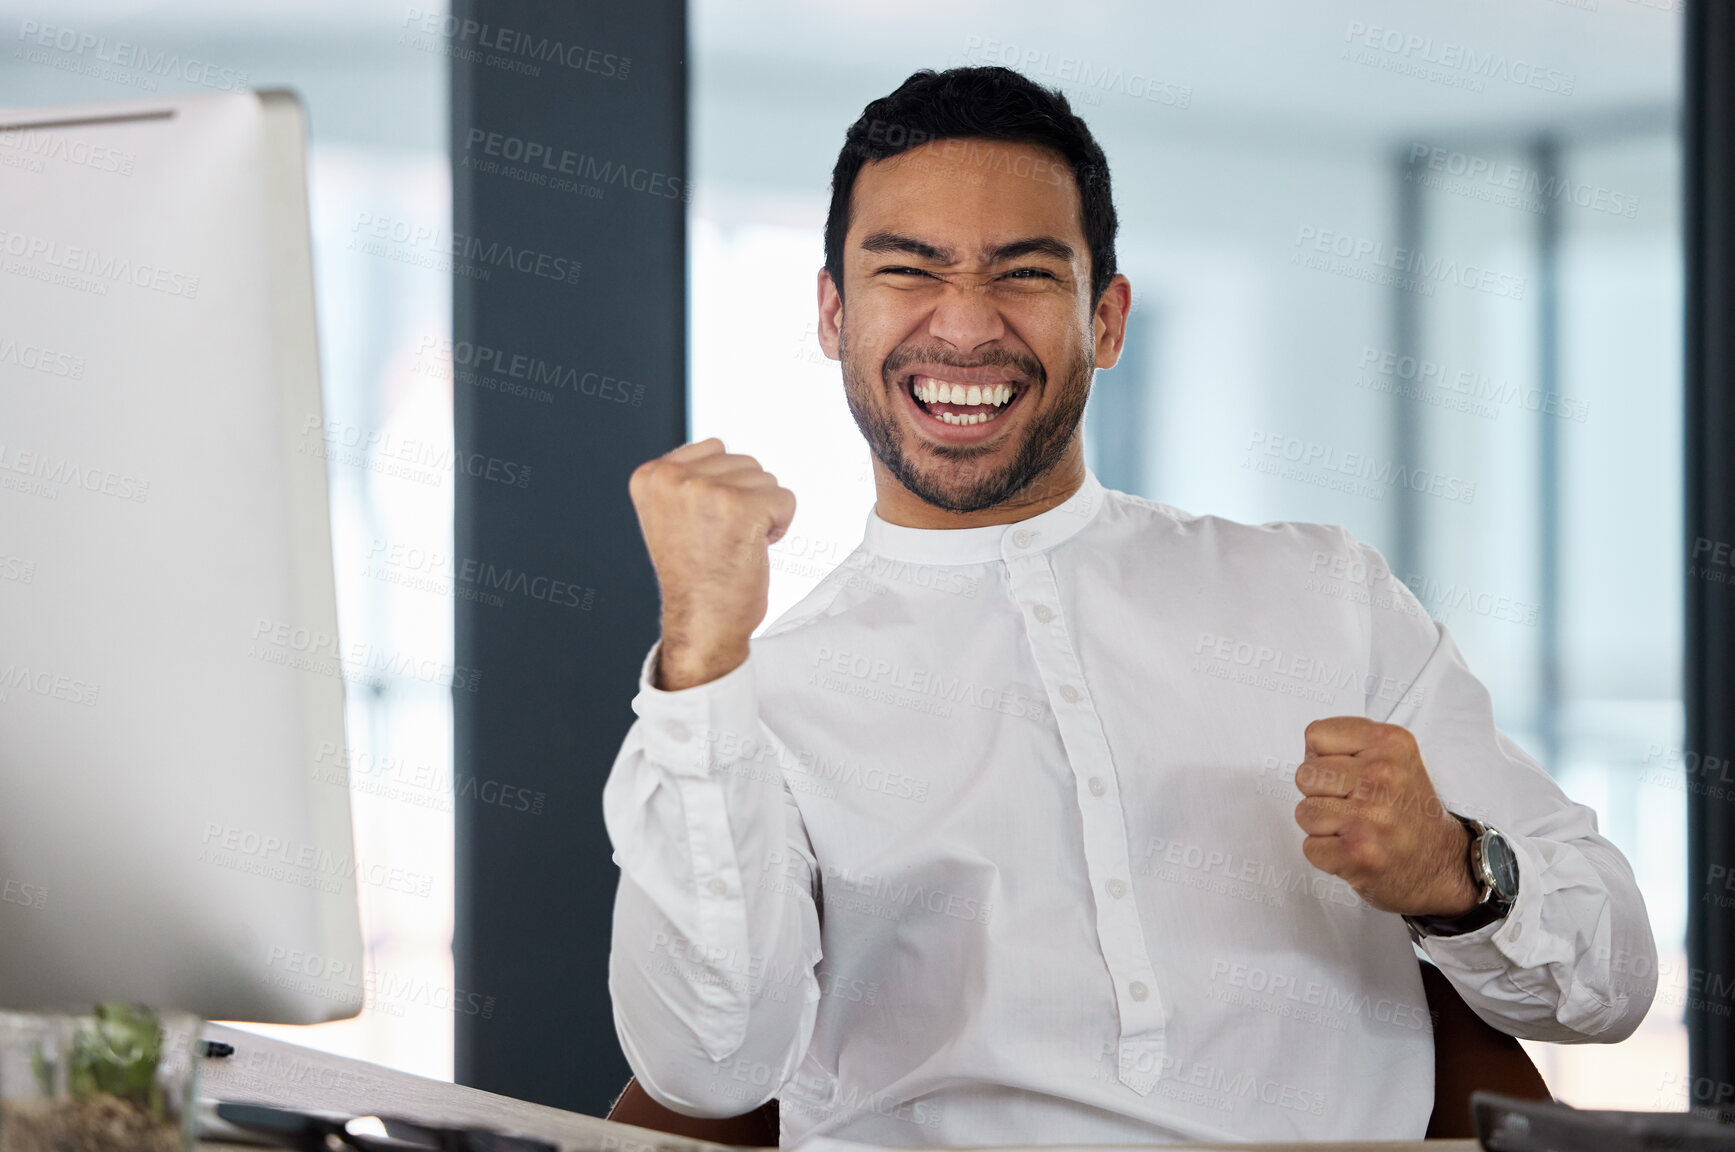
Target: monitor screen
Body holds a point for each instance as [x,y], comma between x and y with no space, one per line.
[169,651]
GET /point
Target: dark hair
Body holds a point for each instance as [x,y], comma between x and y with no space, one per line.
[991,102]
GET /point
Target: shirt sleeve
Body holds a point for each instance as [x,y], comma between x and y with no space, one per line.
[715,931]
[1563,964]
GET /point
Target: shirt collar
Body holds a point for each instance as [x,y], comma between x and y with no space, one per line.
[1031,535]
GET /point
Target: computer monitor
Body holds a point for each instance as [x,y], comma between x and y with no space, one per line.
[169,672]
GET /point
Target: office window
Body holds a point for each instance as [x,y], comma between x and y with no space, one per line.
[1431,298]
[373,83]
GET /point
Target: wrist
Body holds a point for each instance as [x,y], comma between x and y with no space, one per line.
[683,663]
[1465,892]
[1493,870]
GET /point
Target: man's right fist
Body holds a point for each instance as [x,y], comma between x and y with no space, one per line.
[709,518]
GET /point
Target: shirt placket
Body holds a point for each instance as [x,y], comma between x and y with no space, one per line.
[1138,999]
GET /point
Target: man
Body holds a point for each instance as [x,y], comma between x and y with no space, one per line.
[999,837]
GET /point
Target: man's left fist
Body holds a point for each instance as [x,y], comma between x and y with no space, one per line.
[1372,817]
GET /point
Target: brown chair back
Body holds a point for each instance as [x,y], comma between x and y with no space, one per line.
[757,1129]
[1469,1054]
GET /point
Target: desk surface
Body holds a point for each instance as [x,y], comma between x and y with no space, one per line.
[267,1071]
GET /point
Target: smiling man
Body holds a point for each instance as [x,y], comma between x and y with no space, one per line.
[1056,815]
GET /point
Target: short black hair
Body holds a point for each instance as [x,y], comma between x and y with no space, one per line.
[989,102]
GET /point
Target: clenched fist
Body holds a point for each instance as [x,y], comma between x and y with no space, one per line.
[1373,818]
[709,518]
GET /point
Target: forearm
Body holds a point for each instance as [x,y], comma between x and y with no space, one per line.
[715,930]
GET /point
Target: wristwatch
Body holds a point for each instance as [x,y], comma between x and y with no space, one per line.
[1494,869]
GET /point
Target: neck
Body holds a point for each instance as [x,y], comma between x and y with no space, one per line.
[896,504]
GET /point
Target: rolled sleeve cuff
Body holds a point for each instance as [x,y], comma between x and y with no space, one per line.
[1514,941]
[682,728]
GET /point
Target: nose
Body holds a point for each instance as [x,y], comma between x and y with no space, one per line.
[965,316]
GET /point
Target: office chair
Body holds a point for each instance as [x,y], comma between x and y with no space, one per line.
[1469,1055]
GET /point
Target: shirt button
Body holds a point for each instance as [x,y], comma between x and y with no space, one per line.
[1117,888]
[1097,787]
[677,731]
[1517,931]
[1138,990]
[1068,693]
[1021,538]
[1043,613]
[716,887]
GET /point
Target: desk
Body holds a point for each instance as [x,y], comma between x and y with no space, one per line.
[267,1071]
[263,1070]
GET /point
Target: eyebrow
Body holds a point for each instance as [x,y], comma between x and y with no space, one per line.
[1013,250]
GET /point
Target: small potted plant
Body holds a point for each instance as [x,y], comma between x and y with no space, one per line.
[113,1081]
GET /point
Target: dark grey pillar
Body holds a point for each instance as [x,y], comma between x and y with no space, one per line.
[1710,507]
[569,161]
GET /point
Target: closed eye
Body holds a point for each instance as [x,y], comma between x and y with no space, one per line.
[1031,274]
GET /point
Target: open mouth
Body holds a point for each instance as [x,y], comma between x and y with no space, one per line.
[963,404]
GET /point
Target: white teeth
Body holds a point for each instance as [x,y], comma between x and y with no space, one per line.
[972,418]
[940,392]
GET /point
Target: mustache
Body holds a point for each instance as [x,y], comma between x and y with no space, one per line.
[901,357]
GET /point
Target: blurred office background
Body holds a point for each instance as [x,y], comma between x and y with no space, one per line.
[1435,235]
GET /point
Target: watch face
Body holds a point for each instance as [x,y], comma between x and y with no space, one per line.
[1501,864]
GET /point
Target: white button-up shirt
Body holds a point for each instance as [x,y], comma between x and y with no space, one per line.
[991,840]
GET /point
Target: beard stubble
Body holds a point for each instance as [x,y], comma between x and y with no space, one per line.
[960,479]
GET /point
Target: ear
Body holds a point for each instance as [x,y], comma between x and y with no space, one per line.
[830,315]
[1110,323]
